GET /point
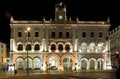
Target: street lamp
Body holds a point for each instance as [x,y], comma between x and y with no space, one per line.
[27,32]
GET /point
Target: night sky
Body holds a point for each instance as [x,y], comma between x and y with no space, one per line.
[37,9]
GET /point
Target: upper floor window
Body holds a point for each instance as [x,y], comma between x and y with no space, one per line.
[60,47]
[92,34]
[60,34]
[19,34]
[53,34]
[92,46]
[20,47]
[84,46]
[67,35]
[28,34]
[67,47]
[83,34]
[100,47]
[53,47]
[100,34]
[28,47]
[36,34]
[37,47]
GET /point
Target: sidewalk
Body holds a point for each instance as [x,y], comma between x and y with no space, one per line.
[81,74]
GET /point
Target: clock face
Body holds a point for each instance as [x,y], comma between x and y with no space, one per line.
[60,16]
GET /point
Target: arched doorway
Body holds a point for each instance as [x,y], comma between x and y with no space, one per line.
[20,63]
[37,63]
[53,63]
[100,64]
[67,63]
[84,64]
[92,64]
[28,63]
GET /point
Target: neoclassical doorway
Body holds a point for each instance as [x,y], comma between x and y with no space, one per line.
[67,63]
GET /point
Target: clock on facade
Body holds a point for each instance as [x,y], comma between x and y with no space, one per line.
[60,16]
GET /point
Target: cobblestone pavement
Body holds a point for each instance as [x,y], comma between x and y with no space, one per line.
[53,74]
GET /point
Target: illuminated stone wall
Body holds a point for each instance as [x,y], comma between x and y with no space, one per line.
[61,43]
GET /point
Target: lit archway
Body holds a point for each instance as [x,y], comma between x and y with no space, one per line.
[67,63]
[100,63]
[84,63]
[28,64]
[19,63]
[37,63]
[92,63]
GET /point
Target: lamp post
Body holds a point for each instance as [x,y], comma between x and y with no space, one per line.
[27,32]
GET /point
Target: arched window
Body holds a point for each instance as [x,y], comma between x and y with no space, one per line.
[60,47]
[53,47]
[20,47]
[67,47]
[92,46]
[84,46]
[100,47]
[37,47]
[28,47]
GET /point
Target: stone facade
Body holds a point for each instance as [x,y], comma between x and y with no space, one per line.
[60,44]
[114,46]
[3,55]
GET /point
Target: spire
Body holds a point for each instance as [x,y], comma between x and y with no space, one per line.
[11,19]
[60,4]
[77,19]
[108,19]
[43,18]
[70,18]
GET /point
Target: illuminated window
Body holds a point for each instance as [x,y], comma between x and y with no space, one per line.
[84,46]
[100,47]
[92,46]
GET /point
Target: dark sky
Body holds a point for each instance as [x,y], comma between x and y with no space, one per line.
[36,9]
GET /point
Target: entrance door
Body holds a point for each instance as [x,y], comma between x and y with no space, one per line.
[83,64]
[67,63]
[53,63]
[100,64]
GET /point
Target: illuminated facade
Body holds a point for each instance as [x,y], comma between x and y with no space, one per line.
[3,55]
[61,44]
[114,46]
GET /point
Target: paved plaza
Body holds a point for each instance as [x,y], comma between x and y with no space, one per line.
[53,74]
